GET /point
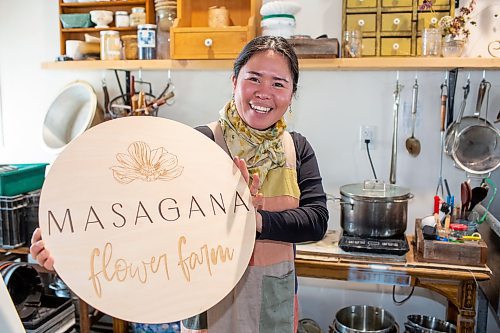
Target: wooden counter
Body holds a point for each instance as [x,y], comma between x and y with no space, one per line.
[457,283]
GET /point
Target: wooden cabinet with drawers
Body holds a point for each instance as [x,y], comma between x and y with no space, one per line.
[392,27]
[192,38]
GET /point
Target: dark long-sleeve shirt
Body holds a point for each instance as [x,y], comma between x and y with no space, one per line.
[309,221]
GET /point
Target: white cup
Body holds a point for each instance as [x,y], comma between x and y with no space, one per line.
[73,49]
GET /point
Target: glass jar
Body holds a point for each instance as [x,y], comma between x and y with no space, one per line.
[138,16]
[452,46]
[121,19]
[164,20]
[351,44]
[431,42]
[458,231]
[110,45]
[129,47]
[146,41]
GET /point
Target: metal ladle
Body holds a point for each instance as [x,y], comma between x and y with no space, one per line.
[412,143]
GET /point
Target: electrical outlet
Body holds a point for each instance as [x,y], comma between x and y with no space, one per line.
[367,133]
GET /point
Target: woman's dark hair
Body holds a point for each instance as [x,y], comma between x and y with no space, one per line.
[265,43]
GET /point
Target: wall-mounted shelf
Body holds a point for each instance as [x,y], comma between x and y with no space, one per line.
[352,64]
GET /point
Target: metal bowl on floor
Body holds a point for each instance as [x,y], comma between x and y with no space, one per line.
[364,318]
[427,324]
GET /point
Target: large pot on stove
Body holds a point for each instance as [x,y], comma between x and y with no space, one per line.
[374,209]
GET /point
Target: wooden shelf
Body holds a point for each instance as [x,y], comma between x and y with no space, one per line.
[102,3]
[357,64]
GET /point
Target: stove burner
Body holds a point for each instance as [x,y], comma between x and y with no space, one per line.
[395,246]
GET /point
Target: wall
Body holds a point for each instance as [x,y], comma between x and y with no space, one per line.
[329,109]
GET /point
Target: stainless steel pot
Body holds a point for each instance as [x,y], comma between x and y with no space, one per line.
[374,209]
[426,324]
[364,318]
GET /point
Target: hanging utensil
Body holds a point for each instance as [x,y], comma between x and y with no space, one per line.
[455,127]
[412,143]
[397,94]
[478,195]
[452,75]
[107,115]
[444,95]
[477,146]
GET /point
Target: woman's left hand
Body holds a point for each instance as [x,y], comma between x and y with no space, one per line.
[254,186]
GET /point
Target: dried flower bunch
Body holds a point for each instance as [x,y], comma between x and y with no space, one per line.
[455,26]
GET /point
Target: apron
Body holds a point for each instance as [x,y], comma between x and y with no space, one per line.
[265,299]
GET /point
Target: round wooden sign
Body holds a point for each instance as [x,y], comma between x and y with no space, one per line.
[147,219]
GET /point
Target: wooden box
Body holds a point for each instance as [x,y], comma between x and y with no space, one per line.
[469,253]
[191,38]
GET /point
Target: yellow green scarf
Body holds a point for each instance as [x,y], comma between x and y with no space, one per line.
[261,150]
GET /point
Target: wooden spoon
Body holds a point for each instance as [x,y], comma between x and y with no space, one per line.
[412,143]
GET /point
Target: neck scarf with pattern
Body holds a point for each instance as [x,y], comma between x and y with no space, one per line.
[261,150]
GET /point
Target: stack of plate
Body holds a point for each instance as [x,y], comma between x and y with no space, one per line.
[170,5]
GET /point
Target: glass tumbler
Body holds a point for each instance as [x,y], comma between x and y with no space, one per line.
[351,44]
[431,42]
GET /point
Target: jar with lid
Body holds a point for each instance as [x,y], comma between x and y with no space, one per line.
[110,45]
[164,20]
[137,17]
[121,19]
[146,41]
[458,231]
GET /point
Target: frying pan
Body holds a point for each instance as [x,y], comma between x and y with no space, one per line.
[477,146]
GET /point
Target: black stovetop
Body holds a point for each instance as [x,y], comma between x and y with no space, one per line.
[395,245]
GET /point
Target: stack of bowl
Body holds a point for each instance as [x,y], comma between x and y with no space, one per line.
[426,324]
[278,18]
[166,4]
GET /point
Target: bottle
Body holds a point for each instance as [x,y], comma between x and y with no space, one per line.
[137,17]
[146,41]
[351,44]
[129,47]
[121,19]
[164,21]
[110,45]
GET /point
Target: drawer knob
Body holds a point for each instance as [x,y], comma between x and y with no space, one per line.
[396,21]
[208,42]
[395,46]
[361,23]
[434,20]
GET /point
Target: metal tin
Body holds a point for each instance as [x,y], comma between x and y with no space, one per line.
[146,41]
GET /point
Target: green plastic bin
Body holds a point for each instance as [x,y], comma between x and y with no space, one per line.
[26,178]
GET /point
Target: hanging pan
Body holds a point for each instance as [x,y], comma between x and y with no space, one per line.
[476,148]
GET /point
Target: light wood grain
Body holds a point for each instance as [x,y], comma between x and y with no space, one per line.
[352,64]
[149,212]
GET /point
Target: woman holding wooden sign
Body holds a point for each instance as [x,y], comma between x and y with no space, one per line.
[284,180]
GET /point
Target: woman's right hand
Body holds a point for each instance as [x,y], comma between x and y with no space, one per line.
[39,252]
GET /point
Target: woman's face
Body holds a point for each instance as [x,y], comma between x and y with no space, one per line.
[263,89]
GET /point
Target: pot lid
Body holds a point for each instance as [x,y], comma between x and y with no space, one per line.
[375,189]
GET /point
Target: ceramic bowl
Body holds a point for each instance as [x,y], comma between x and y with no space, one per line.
[75,21]
[101,18]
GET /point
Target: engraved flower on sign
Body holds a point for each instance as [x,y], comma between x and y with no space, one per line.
[145,164]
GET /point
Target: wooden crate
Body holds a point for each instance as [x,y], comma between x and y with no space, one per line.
[191,38]
[470,253]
